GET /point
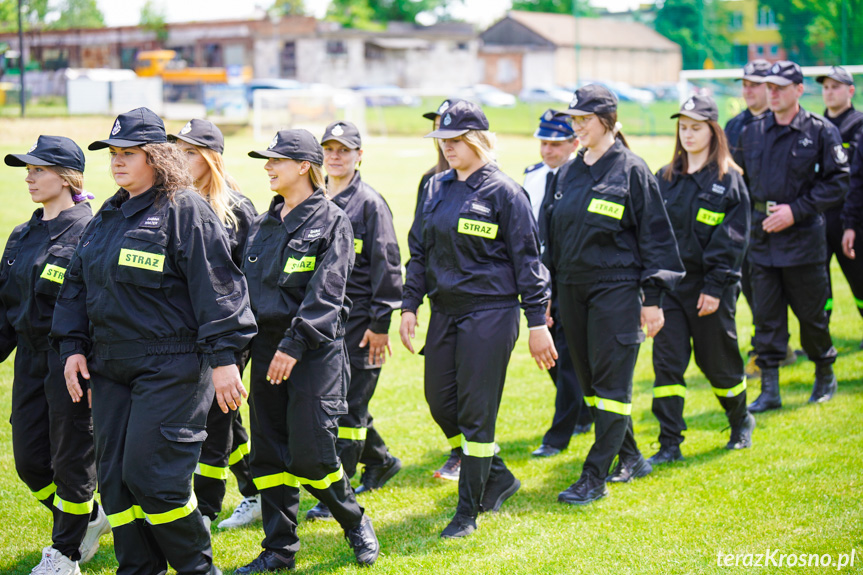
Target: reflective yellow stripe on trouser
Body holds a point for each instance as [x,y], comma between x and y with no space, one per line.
[669,391]
[733,392]
[71,508]
[135,512]
[474,449]
[610,405]
[239,453]
[353,433]
[45,492]
[211,471]
[291,480]
[454,441]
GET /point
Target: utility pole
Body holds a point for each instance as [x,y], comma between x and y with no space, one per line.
[21,56]
[577,43]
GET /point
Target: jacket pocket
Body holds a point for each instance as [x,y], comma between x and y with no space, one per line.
[299,265]
[142,258]
[53,271]
[183,432]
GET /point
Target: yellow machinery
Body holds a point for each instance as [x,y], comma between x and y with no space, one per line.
[163,63]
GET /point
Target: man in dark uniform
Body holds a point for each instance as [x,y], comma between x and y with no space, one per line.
[571,415]
[796,169]
[837,89]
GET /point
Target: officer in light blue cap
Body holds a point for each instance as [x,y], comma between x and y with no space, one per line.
[571,416]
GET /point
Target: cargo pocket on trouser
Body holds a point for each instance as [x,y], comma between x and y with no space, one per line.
[331,408]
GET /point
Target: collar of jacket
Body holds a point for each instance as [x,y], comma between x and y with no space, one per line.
[476,179]
[600,168]
[302,212]
[703,177]
[342,199]
[64,219]
[796,123]
[132,205]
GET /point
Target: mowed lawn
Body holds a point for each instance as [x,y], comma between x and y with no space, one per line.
[799,489]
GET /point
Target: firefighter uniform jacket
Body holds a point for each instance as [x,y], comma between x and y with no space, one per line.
[710,218]
[803,165]
[852,211]
[31,273]
[245,213]
[474,246]
[375,284]
[154,276]
[734,128]
[291,303]
[613,229]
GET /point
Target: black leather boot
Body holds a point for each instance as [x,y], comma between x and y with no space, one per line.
[825,384]
[769,398]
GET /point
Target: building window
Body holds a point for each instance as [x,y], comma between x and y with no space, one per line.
[766,18]
[735,21]
[759,50]
[336,48]
[288,60]
[740,54]
[463,46]
[374,53]
[774,50]
[127,58]
[213,56]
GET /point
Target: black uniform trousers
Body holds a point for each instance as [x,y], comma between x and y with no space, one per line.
[569,407]
[466,357]
[240,461]
[805,289]
[851,269]
[224,450]
[294,430]
[714,339]
[375,451]
[149,417]
[52,441]
[353,426]
[602,326]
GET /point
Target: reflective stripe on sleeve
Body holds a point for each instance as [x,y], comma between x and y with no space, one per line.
[669,391]
[285,478]
[613,406]
[241,451]
[353,433]
[733,392]
[71,508]
[45,492]
[211,471]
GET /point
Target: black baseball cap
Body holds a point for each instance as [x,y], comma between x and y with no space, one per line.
[784,73]
[201,133]
[592,99]
[554,126]
[839,74]
[50,151]
[701,108]
[441,109]
[293,145]
[345,133]
[458,119]
[756,71]
[135,128]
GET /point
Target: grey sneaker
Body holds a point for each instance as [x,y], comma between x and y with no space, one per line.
[248,511]
[55,563]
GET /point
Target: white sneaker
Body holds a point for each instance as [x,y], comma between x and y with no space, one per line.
[55,563]
[247,511]
[207,521]
[95,529]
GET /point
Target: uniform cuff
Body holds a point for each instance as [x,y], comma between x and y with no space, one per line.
[380,326]
[70,347]
[221,358]
[292,347]
[653,296]
[535,316]
[713,290]
[410,306]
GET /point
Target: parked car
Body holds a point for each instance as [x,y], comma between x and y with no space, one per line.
[544,94]
[487,95]
[623,91]
[386,95]
[671,91]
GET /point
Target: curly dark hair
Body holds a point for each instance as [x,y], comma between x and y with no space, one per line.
[171,169]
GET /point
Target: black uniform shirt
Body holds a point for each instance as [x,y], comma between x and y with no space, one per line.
[848,123]
[375,284]
[31,273]
[297,271]
[158,274]
[852,211]
[610,224]
[245,213]
[474,246]
[734,127]
[710,219]
[803,165]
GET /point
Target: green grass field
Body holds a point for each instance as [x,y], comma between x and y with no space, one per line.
[799,489]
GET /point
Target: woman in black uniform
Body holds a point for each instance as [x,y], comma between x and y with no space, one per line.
[474,250]
[708,206]
[52,437]
[227,443]
[375,290]
[612,251]
[151,304]
[297,262]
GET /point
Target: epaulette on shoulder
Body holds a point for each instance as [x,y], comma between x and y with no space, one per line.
[530,169]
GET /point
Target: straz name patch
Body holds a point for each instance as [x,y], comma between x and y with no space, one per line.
[606,208]
[53,273]
[313,233]
[708,217]
[306,264]
[151,222]
[143,260]
[477,228]
[358,246]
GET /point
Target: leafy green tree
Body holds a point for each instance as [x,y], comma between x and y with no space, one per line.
[153,19]
[79,14]
[290,7]
[698,26]
[813,31]
[554,6]
[374,13]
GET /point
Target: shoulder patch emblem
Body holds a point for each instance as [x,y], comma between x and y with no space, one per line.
[839,154]
[532,168]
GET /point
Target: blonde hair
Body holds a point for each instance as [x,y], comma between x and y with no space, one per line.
[216,191]
[482,143]
[316,177]
[74,178]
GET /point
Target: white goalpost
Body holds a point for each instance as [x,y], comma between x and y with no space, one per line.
[274,110]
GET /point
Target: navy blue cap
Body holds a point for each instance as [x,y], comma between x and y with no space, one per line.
[134,128]
[592,99]
[784,73]
[50,151]
[293,145]
[345,133]
[701,108]
[441,109]
[756,71]
[458,119]
[554,126]
[839,74]
[201,133]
